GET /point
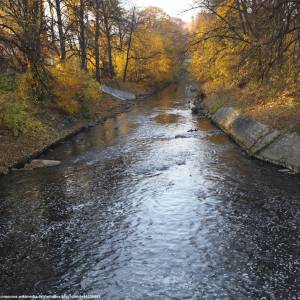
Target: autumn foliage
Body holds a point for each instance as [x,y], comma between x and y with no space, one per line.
[55,53]
[75,90]
[248,51]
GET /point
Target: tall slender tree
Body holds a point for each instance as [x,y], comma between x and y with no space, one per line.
[132,26]
[60,29]
[97,39]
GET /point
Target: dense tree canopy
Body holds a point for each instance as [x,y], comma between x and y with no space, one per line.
[241,41]
[54,54]
[101,34]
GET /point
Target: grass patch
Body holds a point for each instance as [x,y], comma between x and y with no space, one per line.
[279,110]
[16,115]
[8,83]
[282,112]
[218,99]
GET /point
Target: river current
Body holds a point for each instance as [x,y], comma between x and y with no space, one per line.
[135,213]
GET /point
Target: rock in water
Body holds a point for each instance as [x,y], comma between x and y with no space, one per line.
[193,130]
[181,136]
[42,163]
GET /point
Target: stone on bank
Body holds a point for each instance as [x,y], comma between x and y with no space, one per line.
[41,163]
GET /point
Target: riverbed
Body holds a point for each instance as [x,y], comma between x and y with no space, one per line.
[143,209]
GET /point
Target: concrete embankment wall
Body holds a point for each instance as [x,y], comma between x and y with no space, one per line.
[259,140]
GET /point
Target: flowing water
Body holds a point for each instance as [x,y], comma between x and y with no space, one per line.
[135,213]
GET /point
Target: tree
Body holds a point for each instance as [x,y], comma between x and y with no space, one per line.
[82,35]
[250,40]
[60,29]
[97,37]
[110,9]
[132,26]
[22,24]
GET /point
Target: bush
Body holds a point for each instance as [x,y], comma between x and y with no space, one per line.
[35,89]
[75,91]
[15,116]
[7,83]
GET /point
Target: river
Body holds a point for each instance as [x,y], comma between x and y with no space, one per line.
[135,213]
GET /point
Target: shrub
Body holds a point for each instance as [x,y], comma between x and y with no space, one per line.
[35,89]
[15,116]
[7,83]
[75,91]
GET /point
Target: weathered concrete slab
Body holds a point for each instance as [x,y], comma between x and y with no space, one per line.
[122,95]
[252,134]
[225,116]
[284,151]
[260,140]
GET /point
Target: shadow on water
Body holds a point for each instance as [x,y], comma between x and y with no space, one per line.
[205,125]
[218,139]
[166,119]
[135,213]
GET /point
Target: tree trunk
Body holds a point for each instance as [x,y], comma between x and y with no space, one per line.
[34,37]
[108,38]
[52,21]
[60,30]
[82,38]
[129,45]
[32,34]
[97,36]
[109,52]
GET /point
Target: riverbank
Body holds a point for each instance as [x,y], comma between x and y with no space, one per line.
[274,144]
[18,149]
[134,213]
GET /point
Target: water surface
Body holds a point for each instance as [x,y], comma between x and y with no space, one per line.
[135,213]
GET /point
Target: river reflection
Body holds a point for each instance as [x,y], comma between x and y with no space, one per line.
[133,213]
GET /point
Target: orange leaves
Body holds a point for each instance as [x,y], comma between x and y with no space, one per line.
[74,88]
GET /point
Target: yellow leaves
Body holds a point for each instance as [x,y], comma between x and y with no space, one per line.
[148,59]
[74,88]
[214,57]
[66,100]
[158,42]
[120,60]
[225,8]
